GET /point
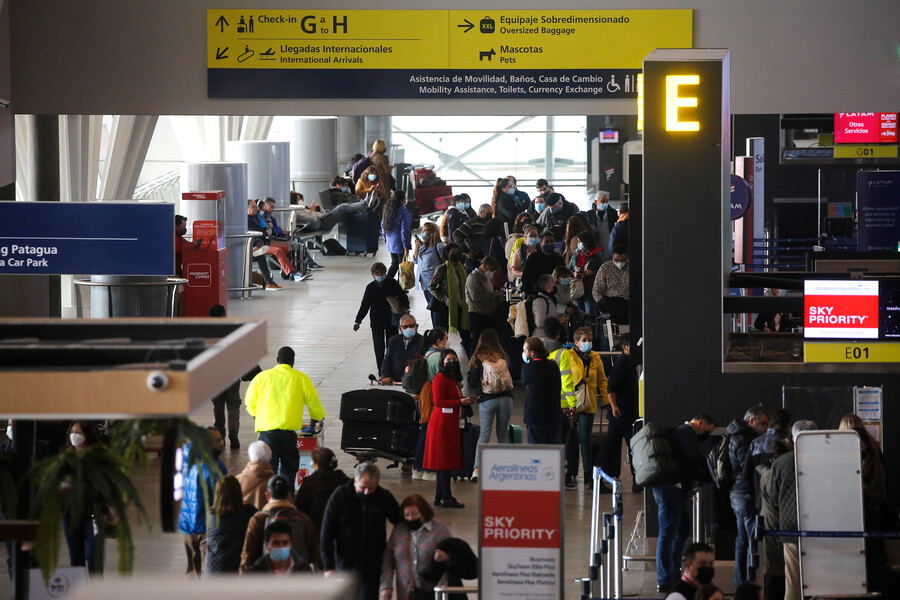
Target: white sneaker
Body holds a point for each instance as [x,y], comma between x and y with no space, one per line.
[260,251]
[429,476]
[418,474]
[297,276]
[474,477]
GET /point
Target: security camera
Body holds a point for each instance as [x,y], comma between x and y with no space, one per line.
[4,103]
[157,381]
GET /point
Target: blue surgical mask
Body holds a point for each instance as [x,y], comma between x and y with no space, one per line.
[580,246]
[525,358]
[468,205]
[372,177]
[565,281]
[512,189]
[460,206]
[280,554]
[532,241]
[539,206]
[602,206]
[345,189]
[380,278]
[585,347]
[409,333]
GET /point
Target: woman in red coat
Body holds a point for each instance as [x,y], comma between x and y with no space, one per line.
[443,441]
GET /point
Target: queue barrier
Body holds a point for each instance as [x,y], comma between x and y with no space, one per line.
[443,592]
[604,576]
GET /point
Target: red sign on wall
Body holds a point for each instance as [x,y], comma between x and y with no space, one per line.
[840,309]
[865,128]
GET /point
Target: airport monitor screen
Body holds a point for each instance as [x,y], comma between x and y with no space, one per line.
[865,128]
[840,309]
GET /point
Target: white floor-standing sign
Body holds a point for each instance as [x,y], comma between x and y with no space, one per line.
[521,522]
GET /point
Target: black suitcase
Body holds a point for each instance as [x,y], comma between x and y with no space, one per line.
[365,440]
[359,232]
[470,436]
[378,405]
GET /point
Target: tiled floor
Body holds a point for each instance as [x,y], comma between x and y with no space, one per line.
[316,317]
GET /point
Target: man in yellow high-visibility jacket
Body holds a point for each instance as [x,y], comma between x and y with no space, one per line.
[578,367]
[275,398]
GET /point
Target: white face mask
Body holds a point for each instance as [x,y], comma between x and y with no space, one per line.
[489,275]
[77,439]
[620,264]
[9,432]
[372,177]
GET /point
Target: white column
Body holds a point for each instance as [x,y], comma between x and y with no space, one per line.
[313,155]
[268,170]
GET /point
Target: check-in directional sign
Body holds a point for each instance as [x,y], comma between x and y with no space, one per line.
[97,238]
[435,53]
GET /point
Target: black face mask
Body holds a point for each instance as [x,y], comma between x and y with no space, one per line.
[705,574]
[414,524]
[454,257]
[450,369]
[547,248]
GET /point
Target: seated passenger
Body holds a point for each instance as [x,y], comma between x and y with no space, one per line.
[317,221]
[280,237]
[368,184]
[340,191]
[401,349]
[257,223]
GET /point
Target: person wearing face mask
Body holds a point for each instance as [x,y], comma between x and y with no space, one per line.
[540,263]
[410,550]
[448,288]
[427,250]
[557,214]
[585,265]
[543,414]
[338,193]
[622,393]
[522,249]
[505,205]
[354,529]
[279,559]
[698,571]
[522,199]
[574,226]
[581,371]
[612,285]
[80,537]
[369,185]
[742,493]
[544,303]
[382,319]
[280,507]
[436,341]
[672,499]
[601,219]
[401,349]
[312,496]
[568,289]
[456,215]
[396,223]
[472,233]
[443,443]
[192,520]
[619,235]
[481,297]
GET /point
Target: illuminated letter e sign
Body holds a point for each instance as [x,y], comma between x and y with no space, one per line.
[674,101]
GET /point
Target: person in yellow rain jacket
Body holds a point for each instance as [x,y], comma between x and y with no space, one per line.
[578,367]
[275,398]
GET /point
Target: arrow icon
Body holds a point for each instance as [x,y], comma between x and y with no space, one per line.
[221,24]
[465,24]
[220,53]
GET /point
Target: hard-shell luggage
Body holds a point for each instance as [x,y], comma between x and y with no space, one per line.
[514,434]
[422,173]
[425,197]
[359,233]
[366,440]
[378,405]
[470,435]
[443,203]
[653,457]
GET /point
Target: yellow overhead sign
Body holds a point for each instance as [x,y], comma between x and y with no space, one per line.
[441,39]
[865,151]
[840,352]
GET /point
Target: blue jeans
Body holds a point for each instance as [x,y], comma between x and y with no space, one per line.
[744,514]
[674,526]
[499,408]
[80,540]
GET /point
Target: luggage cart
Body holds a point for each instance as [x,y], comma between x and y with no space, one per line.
[308,439]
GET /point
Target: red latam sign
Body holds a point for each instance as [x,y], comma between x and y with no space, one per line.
[865,128]
[837,309]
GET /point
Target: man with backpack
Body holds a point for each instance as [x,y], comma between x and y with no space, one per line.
[280,508]
[743,487]
[672,498]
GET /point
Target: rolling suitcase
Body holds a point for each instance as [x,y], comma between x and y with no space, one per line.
[359,233]
[388,440]
[443,202]
[470,435]
[425,197]
[383,405]
[514,434]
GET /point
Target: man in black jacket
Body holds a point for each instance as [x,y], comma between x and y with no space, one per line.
[354,530]
[622,391]
[743,503]
[381,316]
[556,215]
[672,499]
[400,350]
[601,218]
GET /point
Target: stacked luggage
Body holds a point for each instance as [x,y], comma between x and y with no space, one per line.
[427,187]
[379,422]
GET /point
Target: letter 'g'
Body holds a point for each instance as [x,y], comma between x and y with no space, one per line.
[674,102]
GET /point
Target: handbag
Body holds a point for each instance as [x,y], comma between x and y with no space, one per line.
[583,394]
[396,306]
[407,273]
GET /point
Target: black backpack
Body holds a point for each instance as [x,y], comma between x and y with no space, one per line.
[415,374]
[719,463]
[332,247]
